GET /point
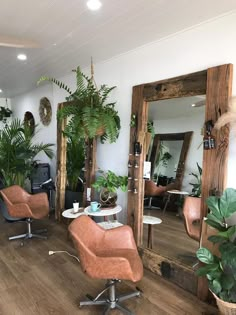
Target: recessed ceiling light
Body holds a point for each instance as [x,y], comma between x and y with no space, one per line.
[94,5]
[0,90]
[22,57]
[193,105]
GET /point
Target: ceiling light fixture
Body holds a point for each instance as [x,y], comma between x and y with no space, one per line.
[21,57]
[193,105]
[0,90]
[94,5]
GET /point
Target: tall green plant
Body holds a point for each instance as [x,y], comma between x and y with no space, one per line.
[88,109]
[17,152]
[221,271]
[197,186]
[74,161]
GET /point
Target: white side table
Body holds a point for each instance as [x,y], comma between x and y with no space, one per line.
[103,213]
[173,192]
[70,215]
[150,220]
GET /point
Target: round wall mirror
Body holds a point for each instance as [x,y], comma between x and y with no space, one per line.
[29,121]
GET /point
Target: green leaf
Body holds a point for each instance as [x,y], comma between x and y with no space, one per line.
[227,282]
[228,202]
[216,286]
[216,239]
[213,204]
[215,225]
[208,269]
[205,256]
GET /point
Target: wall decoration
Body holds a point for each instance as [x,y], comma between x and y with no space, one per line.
[29,121]
[45,111]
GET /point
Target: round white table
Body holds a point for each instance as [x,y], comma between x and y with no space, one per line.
[103,212]
[69,214]
[173,192]
[150,220]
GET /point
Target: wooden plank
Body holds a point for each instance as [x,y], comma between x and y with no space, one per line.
[61,167]
[136,193]
[185,85]
[170,269]
[219,91]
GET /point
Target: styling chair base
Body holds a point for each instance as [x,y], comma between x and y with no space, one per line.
[113,301]
[29,234]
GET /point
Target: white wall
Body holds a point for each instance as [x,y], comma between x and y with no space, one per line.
[199,48]
[46,134]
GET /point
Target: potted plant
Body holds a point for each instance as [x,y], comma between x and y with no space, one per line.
[220,270]
[74,168]
[17,152]
[107,184]
[197,186]
[89,112]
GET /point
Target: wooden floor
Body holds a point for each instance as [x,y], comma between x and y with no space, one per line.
[170,238]
[34,283]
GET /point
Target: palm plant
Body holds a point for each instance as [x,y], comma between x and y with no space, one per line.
[17,152]
[74,161]
[88,110]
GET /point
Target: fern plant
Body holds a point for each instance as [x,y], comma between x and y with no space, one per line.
[88,110]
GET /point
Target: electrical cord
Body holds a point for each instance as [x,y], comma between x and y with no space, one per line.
[62,251]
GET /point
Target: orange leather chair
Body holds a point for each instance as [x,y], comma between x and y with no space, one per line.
[152,190]
[107,254]
[20,204]
[192,214]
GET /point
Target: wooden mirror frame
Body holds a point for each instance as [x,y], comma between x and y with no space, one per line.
[216,84]
[186,137]
[90,165]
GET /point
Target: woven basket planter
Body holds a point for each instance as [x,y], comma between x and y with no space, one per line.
[225,308]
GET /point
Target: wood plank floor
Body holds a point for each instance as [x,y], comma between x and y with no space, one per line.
[34,283]
[170,238]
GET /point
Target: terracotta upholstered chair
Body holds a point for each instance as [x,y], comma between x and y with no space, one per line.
[192,215]
[107,254]
[152,190]
[20,204]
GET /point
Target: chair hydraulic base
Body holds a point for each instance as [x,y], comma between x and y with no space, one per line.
[29,233]
[112,301]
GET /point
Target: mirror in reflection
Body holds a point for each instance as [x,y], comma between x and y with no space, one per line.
[172,191]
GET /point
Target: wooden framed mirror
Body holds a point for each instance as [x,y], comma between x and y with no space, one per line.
[216,84]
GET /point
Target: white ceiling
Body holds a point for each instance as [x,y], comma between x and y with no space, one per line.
[69,34]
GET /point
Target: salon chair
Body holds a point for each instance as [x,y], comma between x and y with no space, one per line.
[107,254]
[25,207]
[192,216]
[152,190]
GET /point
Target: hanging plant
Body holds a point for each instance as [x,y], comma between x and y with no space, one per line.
[88,110]
[5,112]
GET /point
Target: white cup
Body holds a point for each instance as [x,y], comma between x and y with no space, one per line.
[75,207]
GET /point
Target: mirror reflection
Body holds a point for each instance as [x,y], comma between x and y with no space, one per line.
[173,183]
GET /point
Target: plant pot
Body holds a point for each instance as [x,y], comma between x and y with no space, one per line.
[225,308]
[107,198]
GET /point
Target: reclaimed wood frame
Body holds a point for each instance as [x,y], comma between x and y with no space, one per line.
[90,166]
[216,83]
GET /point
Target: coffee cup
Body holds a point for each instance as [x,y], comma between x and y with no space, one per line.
[95,206]
[75,206]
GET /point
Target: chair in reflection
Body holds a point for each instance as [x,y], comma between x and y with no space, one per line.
[152,190]
[107,254]
[192,216]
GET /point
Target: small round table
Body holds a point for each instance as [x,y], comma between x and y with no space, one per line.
[69,214]
[103,212]
[173,192]
[150,220]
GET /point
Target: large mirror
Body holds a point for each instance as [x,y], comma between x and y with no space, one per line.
[176,154]
[168,257]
